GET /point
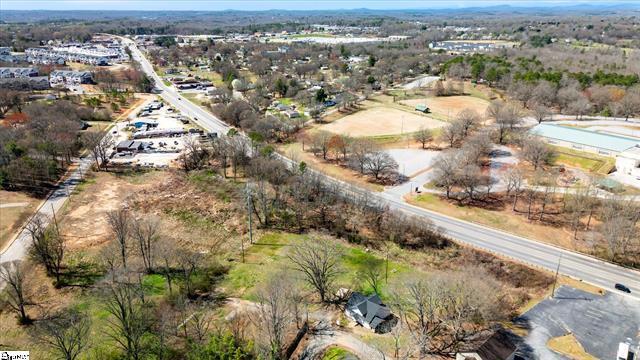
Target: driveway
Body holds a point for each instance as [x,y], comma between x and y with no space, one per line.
[413,161]
[414,164]
[599,323]
[324,336]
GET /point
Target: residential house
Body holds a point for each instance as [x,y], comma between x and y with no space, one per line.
[370,312]
[70,77]
[25,83]
[18,72]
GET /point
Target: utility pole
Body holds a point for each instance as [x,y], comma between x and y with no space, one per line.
[250,213]
[555,280]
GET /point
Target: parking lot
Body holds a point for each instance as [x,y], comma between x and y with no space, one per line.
[152,137]
[599,323]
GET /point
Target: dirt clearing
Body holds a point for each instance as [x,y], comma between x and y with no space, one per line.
[84,221]
[379,121]
[449,106]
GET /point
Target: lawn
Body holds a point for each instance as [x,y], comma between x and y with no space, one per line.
[195,98]
[269,254]
[337,353]
[586,161]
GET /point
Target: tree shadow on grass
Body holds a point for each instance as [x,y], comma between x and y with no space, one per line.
[81,274]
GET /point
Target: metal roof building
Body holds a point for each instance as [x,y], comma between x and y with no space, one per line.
[585,140]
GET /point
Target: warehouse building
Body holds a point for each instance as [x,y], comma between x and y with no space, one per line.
[584,140]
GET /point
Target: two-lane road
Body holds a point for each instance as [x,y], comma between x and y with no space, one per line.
[523,250]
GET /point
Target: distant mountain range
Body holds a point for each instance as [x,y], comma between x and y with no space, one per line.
[599,8]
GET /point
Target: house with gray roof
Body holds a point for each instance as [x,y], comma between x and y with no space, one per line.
[25,83]
[17,72]
[69,77]
[370,312]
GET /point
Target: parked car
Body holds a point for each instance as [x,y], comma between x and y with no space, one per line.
[622,288]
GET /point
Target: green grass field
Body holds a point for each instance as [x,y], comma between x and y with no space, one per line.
[586,161]
[269,254]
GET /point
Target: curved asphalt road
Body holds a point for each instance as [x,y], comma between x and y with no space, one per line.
[523,250]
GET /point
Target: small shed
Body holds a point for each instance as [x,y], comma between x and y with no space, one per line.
[422,108]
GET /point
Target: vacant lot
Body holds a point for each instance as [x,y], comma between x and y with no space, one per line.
[379,121]
[84,221]
[449,106]
[15,209]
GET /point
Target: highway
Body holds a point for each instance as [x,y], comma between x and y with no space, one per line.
[530,252]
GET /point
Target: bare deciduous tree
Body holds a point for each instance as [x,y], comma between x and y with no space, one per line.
[535,151]
[468,120]
[360,150]
[194,156]
[16,296]
[446,168]
[67,333]
[274,314]
[381,164]
[129,322]
[423,136]
[120,226]
[100,144]
[48,247]
[442,312]
[145,231]
[514,179]
[319,263]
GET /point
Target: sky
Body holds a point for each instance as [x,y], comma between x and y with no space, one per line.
[213,5]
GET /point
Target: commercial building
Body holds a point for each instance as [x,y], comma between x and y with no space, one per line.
[584,140]
[131,146]
[628,162]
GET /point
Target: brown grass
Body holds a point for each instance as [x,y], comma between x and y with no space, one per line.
[569,346]
[13,217]
[500,217]
[294,151]
[381,120]
[83,221]
[449,106]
